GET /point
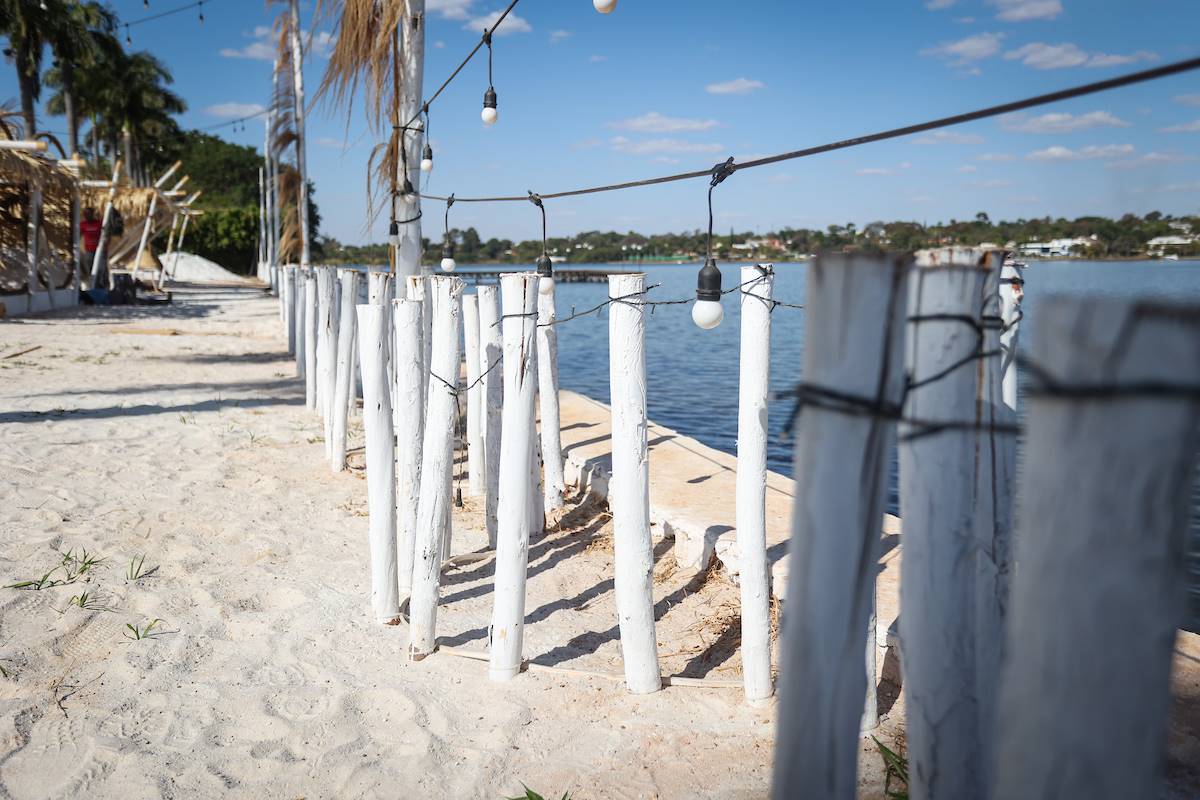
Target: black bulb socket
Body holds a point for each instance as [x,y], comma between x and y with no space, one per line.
[447,249]
[489,98]
[708,281]
[427,153]
[545,267]
[394,228]
[408,187]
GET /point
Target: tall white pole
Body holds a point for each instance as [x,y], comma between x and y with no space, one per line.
[629,491]
[437,461]
[35,242]
[263,274]
[937,504]
[751,508]
[344,375]
[409,412]
[301,142]
[141,248]
[554,484]
[1012,290]
[476,480]
[412,76]
[308,315]
[1100,587]
[288,276]
[490,352]
[853,374]
[373,327]
[102,247]
[326,348]
[178,245]
[519,298]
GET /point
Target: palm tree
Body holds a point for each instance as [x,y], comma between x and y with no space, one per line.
[80,42]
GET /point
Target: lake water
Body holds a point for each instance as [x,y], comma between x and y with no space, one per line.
[692,375]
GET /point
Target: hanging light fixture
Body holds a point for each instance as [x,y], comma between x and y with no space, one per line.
[128,38]
[707,311]
[200,5]
[427,152]
[604,6]
[545,267]
[489,113]
[448,264]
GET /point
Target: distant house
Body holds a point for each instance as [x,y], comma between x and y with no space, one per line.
[1056,248]
[1161,244]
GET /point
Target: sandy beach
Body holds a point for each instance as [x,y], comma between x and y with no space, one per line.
[180,434]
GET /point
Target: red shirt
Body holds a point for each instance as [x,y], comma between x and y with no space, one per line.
[89,229]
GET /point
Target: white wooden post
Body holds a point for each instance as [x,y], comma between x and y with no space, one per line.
[751,510]
[327,353]
[1012,290]
[854,333]
[1099,591]
[373,326]
[490,352]
[475,469]
[141,248]
[178,247]
[301,140]
[437,457]
[34,229]
[409,411]
[344,378]
[629,491]
[289,298]
[102,247]
[412,76]
[309,315]
[937,504]
[547,362]
[519,298]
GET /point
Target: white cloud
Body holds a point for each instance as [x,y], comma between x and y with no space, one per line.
[1187,99]
[938,5]
[948,137]
[558,36]
[735,86]
[1187,127]
[653,147]
[263,46]
[450,9]
[995,158]
[665,160]
[654,122]
[321,44]
[235,110]
[873,171]
[1151,159]
[992,183]
[1060,153]
[329,141]
[1040,55]
[964,52]
[1024,10]
[597,59]
[1061,122]
[512,24]
[965,168]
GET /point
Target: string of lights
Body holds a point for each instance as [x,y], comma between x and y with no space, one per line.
[198,4]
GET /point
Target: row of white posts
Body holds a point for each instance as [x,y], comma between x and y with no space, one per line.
[1059,692]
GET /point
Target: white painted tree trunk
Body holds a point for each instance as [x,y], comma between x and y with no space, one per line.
[437,461]
[519,297]
[937,504]
[854,333]
[298,320]
[373,326]
[629,492]
[412,76]
[301,141]
[263,268]
[1012,290]
[105,225]
[1100,591]
[409,410]
[751,509]
[344,376]
[146,227]
[490,352]
[475,471]
[327,350]
[552,458]
[995,478]
[289,301]
[312,338]
[34,228]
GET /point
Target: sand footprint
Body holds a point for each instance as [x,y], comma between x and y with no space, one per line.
[58,761]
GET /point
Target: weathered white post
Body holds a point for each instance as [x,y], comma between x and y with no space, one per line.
[853,381]
[629,492]
[547,344]
[409,411]
[437,461]
[751,508]
[327,353]
[937,504]
[35,241]
[102,247]
[344,377]
[300,115]
[490,352]
[412,76]
[289,304]
[475,473]
[373,326]
[519,298]
[1012,290]
[1113,416]
[309,315]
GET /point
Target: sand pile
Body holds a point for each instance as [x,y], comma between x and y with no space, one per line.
[192,268]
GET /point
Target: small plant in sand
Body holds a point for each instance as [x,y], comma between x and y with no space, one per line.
[88,601]
[136,570]
[138,632]
[897,770]
[530,794]
[37,584]
[77,564]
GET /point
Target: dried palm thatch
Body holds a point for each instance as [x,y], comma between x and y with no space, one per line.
[19,172]
[289,235]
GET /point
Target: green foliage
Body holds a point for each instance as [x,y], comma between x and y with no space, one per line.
[897,770]
[530,794]
[138,632]
[227,236]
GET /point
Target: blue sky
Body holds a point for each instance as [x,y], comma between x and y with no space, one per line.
[660,87]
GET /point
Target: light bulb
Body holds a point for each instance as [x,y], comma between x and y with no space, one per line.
[489,116]
[546,286]
[448,265]
[489,113]
[604,6]
[426,165]
[707,314]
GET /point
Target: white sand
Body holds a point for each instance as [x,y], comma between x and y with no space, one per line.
[192,268]
[270,678]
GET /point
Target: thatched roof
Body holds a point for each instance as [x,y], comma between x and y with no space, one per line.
[18,171]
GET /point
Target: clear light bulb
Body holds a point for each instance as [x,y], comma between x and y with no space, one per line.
[448,265]
[426,165]
[604,6]
[707,314]
[489,116]
[546,286]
